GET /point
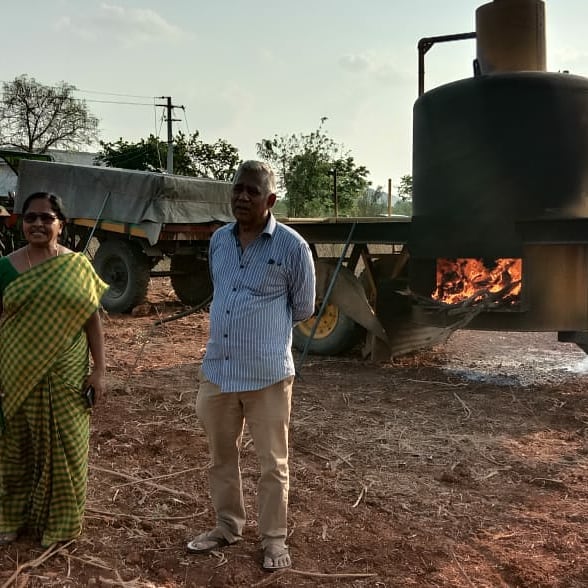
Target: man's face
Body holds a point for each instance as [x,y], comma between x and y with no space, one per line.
[251,200]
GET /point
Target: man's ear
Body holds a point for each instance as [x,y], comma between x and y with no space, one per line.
[271,200]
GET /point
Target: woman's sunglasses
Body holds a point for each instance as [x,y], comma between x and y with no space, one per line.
[45,217]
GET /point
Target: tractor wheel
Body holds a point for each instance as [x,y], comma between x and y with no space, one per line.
[336,333]
[190,278]
[126,269]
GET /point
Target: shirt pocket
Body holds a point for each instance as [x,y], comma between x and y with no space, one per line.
[269,278]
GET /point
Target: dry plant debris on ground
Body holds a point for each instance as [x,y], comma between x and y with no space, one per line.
[402,474]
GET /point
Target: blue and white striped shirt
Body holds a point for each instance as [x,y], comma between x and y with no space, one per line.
[259,293]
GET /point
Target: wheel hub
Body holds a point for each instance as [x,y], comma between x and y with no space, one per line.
[326,324]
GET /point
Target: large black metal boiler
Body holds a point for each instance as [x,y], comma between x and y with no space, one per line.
[500,171]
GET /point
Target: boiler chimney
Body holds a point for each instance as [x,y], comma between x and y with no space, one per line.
[511,36]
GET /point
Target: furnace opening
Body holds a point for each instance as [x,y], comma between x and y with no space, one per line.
[473,280]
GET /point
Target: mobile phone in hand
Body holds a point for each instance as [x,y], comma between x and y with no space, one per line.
[89,396]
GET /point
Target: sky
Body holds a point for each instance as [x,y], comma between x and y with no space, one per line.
[250,70]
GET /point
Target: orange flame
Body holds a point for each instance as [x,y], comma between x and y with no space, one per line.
[460,279]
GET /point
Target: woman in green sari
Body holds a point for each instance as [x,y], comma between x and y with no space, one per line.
[49,299]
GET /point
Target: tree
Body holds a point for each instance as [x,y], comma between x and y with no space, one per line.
[146,154]
[372,202]
[192,157]
[404,206]
[309,168]
[405,188]
[35,117]
[352,182]
[218,160]
[307,183]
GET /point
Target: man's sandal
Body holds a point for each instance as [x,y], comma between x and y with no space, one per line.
[205,543]
[276,557]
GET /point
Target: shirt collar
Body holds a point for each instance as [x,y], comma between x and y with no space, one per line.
[268,230]
[270,226]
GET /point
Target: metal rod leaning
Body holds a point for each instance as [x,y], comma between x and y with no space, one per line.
[325,300]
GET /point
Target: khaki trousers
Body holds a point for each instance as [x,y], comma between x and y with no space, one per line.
[267,413]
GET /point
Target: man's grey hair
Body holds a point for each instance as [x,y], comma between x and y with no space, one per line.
[262,168]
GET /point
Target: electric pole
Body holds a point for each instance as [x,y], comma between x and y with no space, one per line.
[170,135]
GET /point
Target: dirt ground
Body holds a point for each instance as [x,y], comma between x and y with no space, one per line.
[463,466]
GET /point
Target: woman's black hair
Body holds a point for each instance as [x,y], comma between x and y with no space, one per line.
[54,201]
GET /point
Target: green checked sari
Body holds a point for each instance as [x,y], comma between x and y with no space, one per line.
[43,363]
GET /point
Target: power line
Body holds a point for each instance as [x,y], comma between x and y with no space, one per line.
[186,120]
[74,89]
[158,137]
[114,94]
[120,102]
[124,157]
[2,101]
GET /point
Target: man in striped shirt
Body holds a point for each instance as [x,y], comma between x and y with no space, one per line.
[264,283]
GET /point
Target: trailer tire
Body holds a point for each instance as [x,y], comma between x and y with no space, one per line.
[335,334]
[126,270]
[190,278]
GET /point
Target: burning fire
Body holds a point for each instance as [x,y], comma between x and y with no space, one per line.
[462,279]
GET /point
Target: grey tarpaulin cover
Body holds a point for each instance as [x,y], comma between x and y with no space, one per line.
[147,199]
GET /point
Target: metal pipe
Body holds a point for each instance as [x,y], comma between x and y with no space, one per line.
[426,43]
[97,220]
[335,195]
[325,301]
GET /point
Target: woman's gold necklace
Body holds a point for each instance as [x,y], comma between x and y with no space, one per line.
[29,258]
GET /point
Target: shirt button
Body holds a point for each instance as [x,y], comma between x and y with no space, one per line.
[234,289]
[225,335]
[241,266]
[226,357]
[228,312]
